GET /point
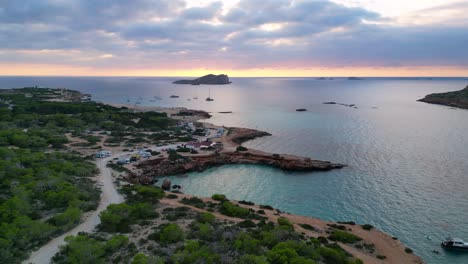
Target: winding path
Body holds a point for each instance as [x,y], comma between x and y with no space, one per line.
[109,195]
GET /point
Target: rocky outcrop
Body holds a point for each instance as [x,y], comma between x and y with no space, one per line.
[189,112]
[166,185]
[207,79]
[164,167]
[455,99]
[240,135]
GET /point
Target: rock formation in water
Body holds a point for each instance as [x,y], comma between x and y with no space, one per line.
[455,99]
[207,79]
[163,166]
[166,185]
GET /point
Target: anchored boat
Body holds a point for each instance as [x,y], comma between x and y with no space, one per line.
[454,243]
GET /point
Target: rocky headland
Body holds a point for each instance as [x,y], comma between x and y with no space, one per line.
[455,99]
[207,79]
[231,153]
[164,166]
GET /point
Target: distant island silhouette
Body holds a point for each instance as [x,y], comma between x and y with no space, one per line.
[207,79]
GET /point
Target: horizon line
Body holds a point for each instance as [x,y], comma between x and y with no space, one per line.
[193,76]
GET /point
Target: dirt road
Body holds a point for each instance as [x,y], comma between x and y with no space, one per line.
[109,195]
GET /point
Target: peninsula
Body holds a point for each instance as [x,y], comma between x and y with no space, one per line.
[207,79]
[455,99]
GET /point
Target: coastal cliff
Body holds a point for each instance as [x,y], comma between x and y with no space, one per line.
[207,79]
[455,99]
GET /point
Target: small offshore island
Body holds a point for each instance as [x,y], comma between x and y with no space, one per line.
[82,176]
[454,99]
[207,79]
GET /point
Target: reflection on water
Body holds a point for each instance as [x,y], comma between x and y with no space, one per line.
[408,161]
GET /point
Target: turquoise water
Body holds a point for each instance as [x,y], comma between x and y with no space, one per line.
[408,161]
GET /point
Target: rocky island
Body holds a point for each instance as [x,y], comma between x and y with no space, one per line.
[455,99]
[207,79]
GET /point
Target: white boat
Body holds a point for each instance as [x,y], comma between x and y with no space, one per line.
[454,243]
[209,99]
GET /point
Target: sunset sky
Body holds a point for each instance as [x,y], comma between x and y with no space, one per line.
[240,38]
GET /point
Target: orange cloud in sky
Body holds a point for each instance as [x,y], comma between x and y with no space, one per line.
[67,70]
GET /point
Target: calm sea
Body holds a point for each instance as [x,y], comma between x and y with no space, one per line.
[408,161]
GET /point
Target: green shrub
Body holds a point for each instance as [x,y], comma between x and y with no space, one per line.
[308,227]
[246,202]
[340,227]
[367,227]
[268,207]
[247,224]
[343,236]
[193,201]
[172,233]
[230,209]
[408,250]
[206,217]
[284,222]
[218,197]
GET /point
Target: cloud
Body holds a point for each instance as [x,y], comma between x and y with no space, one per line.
[252,34]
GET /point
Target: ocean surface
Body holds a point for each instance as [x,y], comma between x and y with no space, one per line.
[407,161]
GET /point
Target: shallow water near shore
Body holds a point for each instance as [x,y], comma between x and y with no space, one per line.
[408,161]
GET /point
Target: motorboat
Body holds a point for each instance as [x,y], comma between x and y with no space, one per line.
[454,243]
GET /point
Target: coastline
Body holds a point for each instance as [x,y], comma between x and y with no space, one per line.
[385,245]
[231,140]
[384,248]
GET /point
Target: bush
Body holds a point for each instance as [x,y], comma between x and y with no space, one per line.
[193,201]
[343,236]
[230,209]
[408,250]
[307,226]
[119,217]
[340,227]
[284,222]
[381,257]
[348,223]
[206,217]
[367,227]
[241,148]
[172,233]
[218,197]
[247,224]
[266,207]
[172,196]
[246,202]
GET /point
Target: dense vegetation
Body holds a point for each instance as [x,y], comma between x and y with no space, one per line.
[45,188]
[182,235]
[42,194]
